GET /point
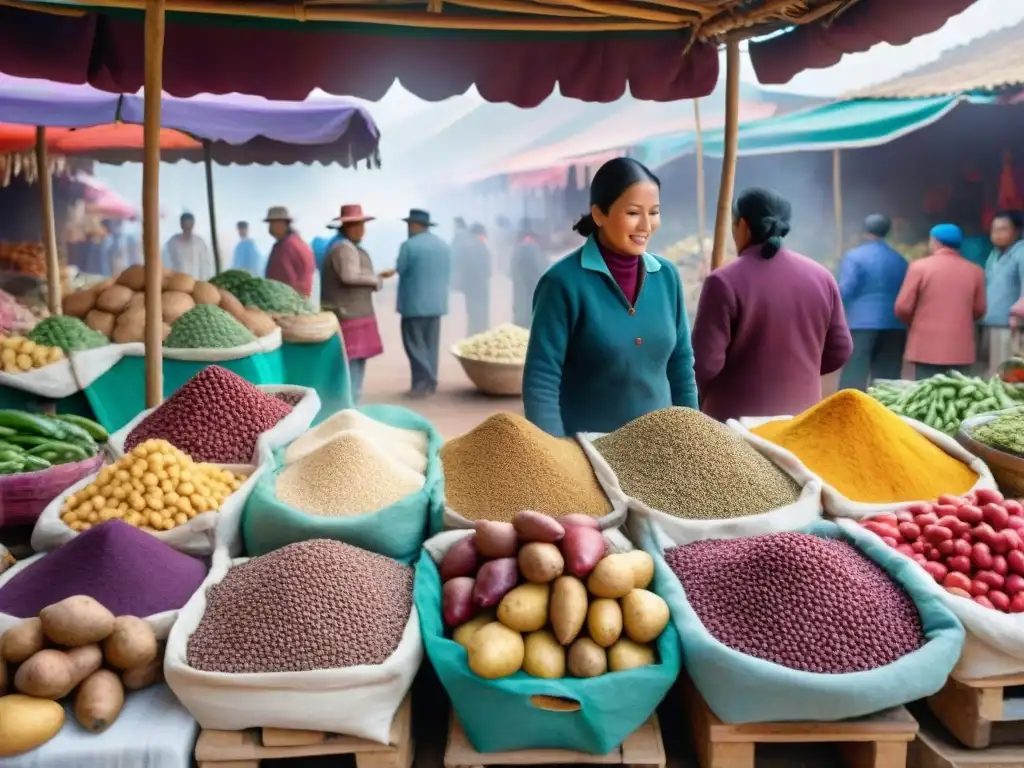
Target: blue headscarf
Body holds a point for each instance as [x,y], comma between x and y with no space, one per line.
[949,235]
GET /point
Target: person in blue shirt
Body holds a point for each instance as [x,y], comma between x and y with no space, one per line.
[1004,279]
[610,339]
[247,256]
[870,277]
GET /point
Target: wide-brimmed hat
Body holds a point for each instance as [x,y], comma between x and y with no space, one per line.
[419,216]
[278,213]
[350,214]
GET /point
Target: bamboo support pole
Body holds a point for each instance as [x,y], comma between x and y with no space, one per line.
[210,204]
[723,217]
[837,200]
[49,223]
[702,203]
[154,53]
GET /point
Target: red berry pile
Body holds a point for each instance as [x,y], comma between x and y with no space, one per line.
[972,545]
[216,416]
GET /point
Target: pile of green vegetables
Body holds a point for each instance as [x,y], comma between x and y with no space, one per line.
[68,333]
[30,442]
[944,401]
[1005,432]
[269,295]
[208,327]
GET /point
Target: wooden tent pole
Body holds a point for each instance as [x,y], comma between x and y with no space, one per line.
[49,222]
[154,53]
[702,203]
[723,217]
[211,206]
[837,200]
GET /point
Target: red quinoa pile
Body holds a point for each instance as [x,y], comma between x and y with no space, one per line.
[216,416]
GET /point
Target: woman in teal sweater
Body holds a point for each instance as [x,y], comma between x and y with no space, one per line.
[609,340]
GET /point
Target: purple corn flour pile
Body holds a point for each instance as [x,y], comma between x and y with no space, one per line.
[802,601]
[126,569]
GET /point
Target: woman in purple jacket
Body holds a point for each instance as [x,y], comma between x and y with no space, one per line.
[769,324]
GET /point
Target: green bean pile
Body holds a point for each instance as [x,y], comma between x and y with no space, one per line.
[944,401]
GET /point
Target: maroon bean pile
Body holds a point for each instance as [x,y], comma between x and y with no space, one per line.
[318,604]
[805,602]
[292,398]
[216,416]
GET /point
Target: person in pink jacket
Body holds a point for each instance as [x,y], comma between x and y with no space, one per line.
[942,297]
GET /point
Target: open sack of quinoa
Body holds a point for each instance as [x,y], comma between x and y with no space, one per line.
[867,458]
[972,550]
[317,635]
[698,479]
[369,476]
[506,464]
[219,417]
[545,635]
[820,625]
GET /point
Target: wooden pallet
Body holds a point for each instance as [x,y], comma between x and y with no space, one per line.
[643,748]
[246,749]
[879,741]
[970,709]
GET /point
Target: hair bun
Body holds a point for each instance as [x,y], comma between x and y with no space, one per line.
[586,225]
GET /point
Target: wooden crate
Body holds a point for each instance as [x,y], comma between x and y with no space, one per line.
[969,710]
[246,749]
[935,747]
[643,748]
[878,741]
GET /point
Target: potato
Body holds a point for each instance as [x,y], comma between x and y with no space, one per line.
[138,300]
[536,526]
[494,580]
[525,608]
[205,293]
[137,678]
[80,303]
[131,644]
[644,615]
[462,559]
[540,563]
[128,333]
[568,608]
[5,677]
[99,701]
[76,620]
[604,621]
[48,674]
[258,322]
[582,548]
[100,321]
[495,539]
[496,651]
[580,521]
[114,299]
[457,601]
[179,281]
[626,654]
[543,656]
[175,304]
[464,634]
[643,567]
[587,659]
[134,277]
[23,640]
[27,723]
[230,304]
[612,577]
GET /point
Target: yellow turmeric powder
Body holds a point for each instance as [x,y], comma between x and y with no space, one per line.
[867,453]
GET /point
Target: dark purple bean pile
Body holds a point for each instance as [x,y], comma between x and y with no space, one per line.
[801,601]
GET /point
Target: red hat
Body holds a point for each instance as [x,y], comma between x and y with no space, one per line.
[351,214]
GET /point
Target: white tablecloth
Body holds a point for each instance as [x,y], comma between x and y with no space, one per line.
[153,731]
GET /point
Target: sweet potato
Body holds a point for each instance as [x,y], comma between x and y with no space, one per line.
[582,548]
[461,560]
[568,608]
[536,526]
[76,620]
[540,563]
[494,539]
[131,644]
[583,521]
[99,701]
[494,580]
[48,674]
[457,601]
[22,641]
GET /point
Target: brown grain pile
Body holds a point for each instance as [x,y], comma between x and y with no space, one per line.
[317,604]
[682,462]
[506,465]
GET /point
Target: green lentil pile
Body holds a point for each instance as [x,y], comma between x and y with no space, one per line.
[269,295]
[681,462]
[207,327]
[1004,432]
[506,465]
[68,333]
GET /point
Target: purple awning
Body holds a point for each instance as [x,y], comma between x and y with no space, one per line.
[57,105]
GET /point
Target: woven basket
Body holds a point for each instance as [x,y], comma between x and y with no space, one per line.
[308,329]
[1007,468]
[496,379]
[23,497]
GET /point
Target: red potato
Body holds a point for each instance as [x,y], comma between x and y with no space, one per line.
[961,547]
[1017,603]
[979,588]
[945,510]
[583,548]
[981,555]
[495,539]
[494,580]
[1015,561]
[919,508]
[958,592]
[928,518]
[1013,584]
[885,518]
[457,601]
[889,541]
[1012,538]
[999,565]
[1000,600]
[970,514]
[461,560]
[983,601]
[995,515]
[968,537]
[1015,522]
[905,549]
[905,516]
[948,499]
[993,579]
[936,533]
[954,523]
[881,529]
[921,560]
[536,526]
[919,547]
[987,496]
[1014,507]
[984,532]
[936,570]
[948,548]
[583,521]
[957,580]
[909,531]
[933,554]
[959,563]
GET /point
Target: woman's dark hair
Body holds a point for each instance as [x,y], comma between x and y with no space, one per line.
[767,214]
[611,180]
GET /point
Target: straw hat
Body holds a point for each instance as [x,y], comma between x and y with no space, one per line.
[350,214]
[278,213]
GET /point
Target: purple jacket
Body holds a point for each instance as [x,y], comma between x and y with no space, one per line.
[766,331]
